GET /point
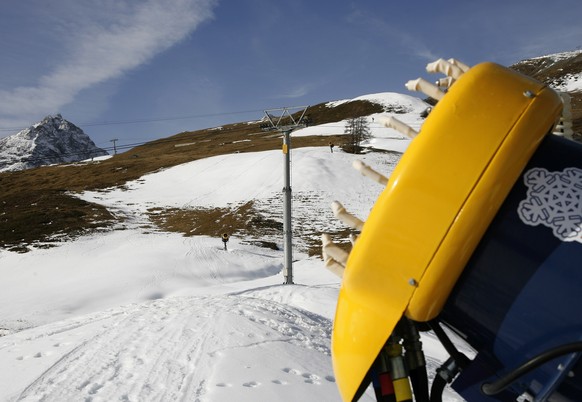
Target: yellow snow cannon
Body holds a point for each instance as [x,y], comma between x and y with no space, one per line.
[422,234]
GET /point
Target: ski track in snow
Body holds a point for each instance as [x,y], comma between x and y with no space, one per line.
[168,349]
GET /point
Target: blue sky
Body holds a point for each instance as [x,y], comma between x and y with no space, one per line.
[145,69]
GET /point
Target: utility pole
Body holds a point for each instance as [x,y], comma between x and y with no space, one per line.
[287,228]
[285,124]
[114,147]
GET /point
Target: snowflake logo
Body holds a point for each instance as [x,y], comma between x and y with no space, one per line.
[554,199]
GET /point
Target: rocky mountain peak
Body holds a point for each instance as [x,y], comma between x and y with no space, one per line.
[53,140]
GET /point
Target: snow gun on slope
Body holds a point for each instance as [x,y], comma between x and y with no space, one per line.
[478,232]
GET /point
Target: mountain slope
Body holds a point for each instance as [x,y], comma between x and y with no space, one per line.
[144,314]
[53,140]
[563,72]
[39,198]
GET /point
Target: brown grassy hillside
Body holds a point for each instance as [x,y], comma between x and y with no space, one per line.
[552,72]
[36,205]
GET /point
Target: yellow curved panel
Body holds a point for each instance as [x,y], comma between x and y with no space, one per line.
[438,203]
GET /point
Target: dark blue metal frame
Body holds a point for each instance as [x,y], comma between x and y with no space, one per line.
[521,294]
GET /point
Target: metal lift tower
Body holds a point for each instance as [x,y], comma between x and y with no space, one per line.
[282,120]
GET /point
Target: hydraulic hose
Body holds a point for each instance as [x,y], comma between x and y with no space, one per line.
[451,349]
[381,379]
[436,391]
[444,374]
[533,363]
[415,359]
[419,381]
[398,372]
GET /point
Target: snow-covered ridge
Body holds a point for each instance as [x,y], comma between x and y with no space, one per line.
[405,108]
[562,71]
[53,140]
[559,56]
[389,100]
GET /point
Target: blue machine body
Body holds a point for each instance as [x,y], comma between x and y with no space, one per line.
[521,292]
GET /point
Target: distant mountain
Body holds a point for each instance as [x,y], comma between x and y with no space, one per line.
[53,140]
[563,72]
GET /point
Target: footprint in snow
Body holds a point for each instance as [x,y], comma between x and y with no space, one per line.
[59,344]
[95,388]
[224,385]
[311,376]
[311,379]
[251,384]
[42,354]
[292,371]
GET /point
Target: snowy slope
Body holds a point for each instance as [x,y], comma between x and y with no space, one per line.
[142,315]
[405,108]
[562,71]
[220,347]
[133,264]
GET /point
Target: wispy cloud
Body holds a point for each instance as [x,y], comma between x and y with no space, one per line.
[296,92]
[405,41]
[105,46]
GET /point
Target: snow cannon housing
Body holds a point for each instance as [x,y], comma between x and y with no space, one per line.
[461,236]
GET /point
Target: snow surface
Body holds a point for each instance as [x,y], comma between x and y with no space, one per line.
[383,138]
[568,82]
[143,315]
[555,57]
